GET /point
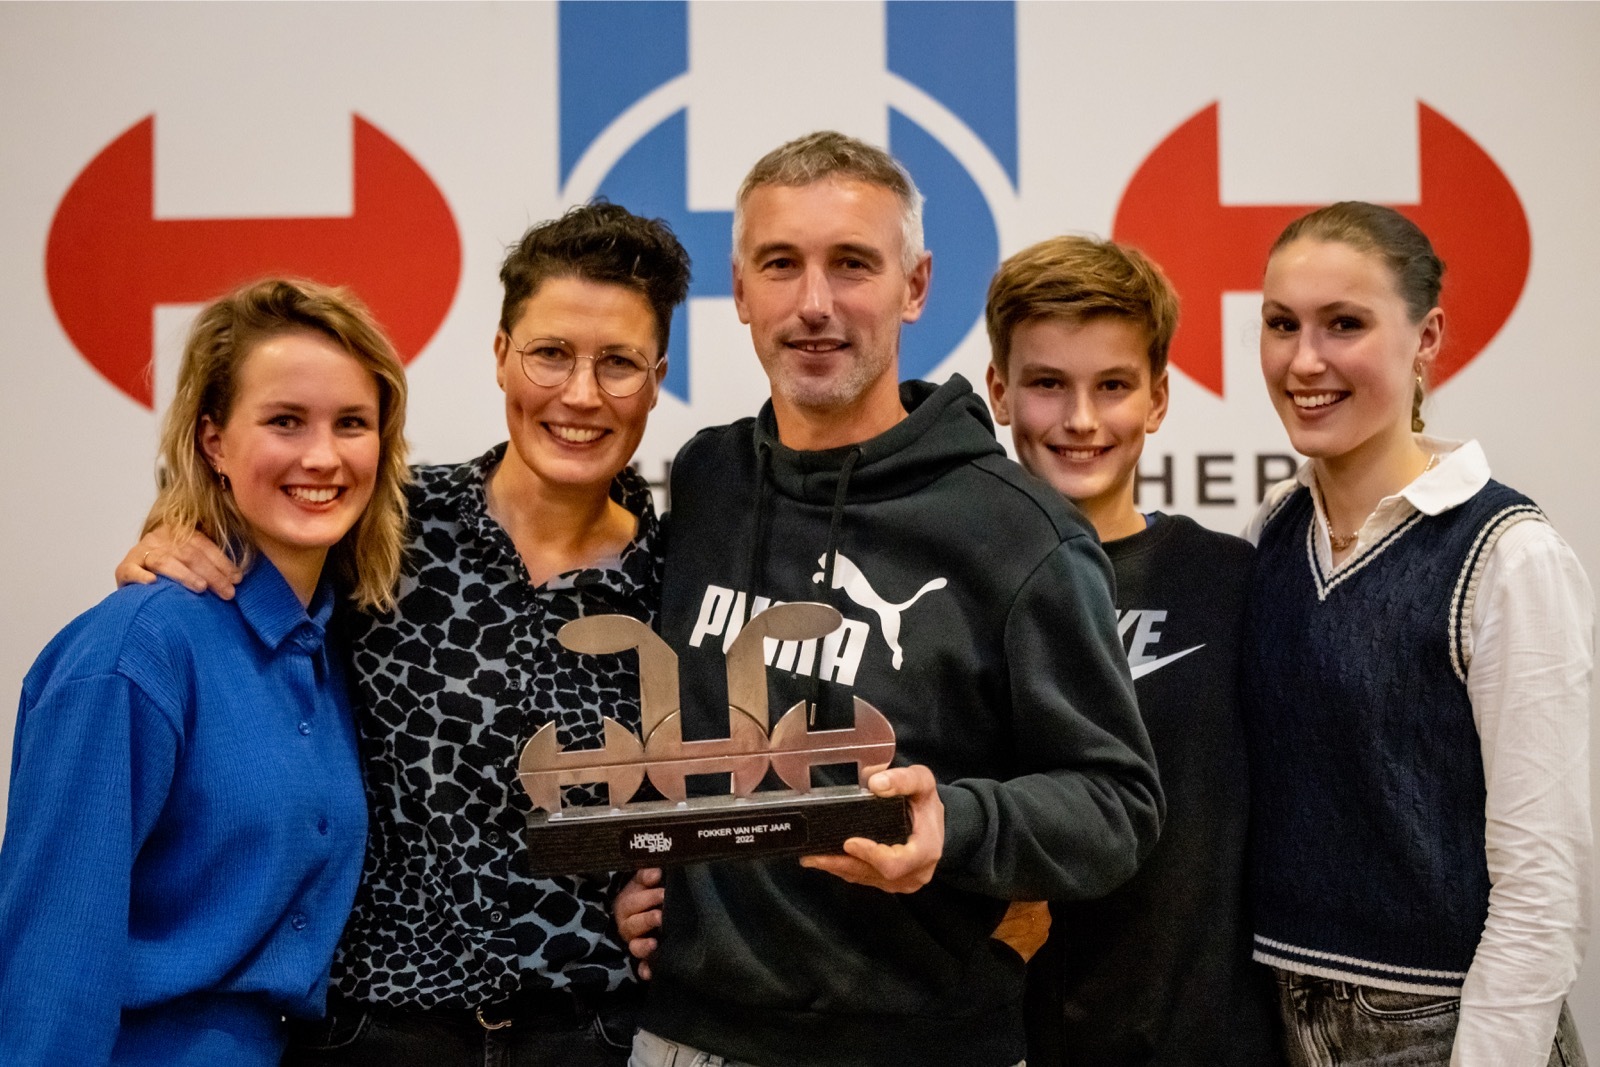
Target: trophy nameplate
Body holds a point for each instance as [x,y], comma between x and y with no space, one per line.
[679,829]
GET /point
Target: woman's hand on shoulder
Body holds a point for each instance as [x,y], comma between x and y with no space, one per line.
[194,562]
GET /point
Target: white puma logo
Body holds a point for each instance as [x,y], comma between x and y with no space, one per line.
[847,576]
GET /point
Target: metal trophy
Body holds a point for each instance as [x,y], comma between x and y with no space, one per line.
[744,823]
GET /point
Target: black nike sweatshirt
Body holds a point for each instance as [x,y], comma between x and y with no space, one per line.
[1007,678]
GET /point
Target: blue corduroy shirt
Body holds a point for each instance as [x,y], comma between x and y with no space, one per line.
[184,833]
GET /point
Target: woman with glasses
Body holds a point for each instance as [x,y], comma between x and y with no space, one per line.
[453,955]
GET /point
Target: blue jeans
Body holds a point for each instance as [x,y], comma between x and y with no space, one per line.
[652,1050]
[1336,1024]
[551,1034]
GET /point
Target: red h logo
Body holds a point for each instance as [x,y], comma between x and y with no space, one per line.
[1172,210]
[110,262]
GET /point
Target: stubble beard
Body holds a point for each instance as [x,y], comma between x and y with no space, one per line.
[833,392]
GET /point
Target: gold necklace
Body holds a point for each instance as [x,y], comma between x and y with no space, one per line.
[1340,542]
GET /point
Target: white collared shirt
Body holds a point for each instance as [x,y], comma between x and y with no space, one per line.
[1531,659]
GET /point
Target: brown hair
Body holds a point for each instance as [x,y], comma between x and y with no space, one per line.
[1077,279]
[599,242]
[1417,270]
[829,154]
[366,561]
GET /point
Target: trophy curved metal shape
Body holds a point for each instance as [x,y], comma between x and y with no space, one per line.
[679,829]
[545,767]
[795,748]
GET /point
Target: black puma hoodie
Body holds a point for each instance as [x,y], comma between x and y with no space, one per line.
[979,620]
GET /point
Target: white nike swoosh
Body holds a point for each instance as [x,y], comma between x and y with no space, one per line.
[1156,664]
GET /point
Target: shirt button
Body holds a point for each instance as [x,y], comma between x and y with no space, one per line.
[298,920]
[496,916]
[305,728]
[493,837]
[322,826]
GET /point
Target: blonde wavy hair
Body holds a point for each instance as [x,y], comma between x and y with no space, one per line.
[366,561]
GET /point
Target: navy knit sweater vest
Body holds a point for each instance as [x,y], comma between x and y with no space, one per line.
[1367,833]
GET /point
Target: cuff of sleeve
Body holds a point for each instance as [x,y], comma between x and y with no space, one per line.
[963,827]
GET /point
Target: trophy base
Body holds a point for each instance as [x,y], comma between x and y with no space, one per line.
[665,833]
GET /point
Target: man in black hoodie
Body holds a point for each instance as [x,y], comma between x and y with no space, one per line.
[978,618]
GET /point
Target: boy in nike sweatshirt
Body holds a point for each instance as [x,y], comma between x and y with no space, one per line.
[1158,972]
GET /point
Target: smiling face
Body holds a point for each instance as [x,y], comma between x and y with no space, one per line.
[820,279]
[300,449]
[1079,400]
[575,435]
[1339,351]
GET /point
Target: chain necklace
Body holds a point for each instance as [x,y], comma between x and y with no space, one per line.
[1341,542]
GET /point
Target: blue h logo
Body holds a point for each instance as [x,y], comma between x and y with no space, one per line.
[952,61]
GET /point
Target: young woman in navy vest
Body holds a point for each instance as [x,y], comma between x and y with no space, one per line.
[1420,650]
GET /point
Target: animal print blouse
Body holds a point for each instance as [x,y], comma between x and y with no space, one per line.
[450,685]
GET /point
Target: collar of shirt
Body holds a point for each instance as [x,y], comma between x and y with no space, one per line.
[1462,469]
[275,614]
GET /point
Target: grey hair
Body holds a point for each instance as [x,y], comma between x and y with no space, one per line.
[829,154]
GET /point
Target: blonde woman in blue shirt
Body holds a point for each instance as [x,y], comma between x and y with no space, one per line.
[186,819]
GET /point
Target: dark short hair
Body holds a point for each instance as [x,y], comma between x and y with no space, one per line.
[599,242]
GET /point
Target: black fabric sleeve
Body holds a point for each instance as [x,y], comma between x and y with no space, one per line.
[1086,806]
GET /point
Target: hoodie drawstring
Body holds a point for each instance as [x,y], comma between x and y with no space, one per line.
[840,493]
[758,536]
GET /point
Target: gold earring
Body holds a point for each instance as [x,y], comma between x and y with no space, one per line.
[222,480]
[1416,407]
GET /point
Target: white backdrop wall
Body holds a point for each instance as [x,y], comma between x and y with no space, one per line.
[1049,118]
